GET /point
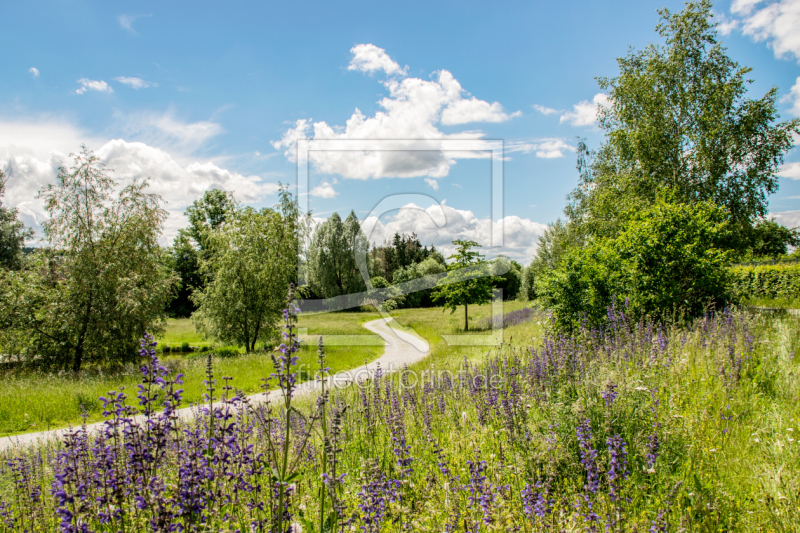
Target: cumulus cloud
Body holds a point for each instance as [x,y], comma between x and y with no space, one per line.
[93,85]
[37,149]
[790,219]
[432,183]
[549,148]
[544,110]
[775,22]
[136,83]
[413,110]
[323,190]
[34,71]
[585,113]
[794,98]
[520,235]
[369,58]
[790,170]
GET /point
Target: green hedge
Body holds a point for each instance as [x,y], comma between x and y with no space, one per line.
[767,281]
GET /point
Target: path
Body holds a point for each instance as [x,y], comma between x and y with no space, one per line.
[400,349]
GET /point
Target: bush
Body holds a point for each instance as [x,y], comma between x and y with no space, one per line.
[185,347]
[668,259]
[767,281]
[226,351]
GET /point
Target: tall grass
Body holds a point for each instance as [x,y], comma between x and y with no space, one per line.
[633,428]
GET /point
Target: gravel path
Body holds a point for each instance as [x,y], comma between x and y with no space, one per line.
[400,349]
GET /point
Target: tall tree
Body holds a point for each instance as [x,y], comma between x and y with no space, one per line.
[207,214]
[252,261]
[456,289]
[678,118]
[332,266]
[12,232]
[103,282]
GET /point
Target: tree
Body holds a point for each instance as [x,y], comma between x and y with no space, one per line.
[772,240]
[678,118]
[207,214]
[252,261]
[456,289]
[332,266]
[12,232]
[102,283]
[419,297]
[669,259]
[511,280]
[184,261]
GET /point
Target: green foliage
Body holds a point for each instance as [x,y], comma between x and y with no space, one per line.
[332,266]
[402,252]
[510,281]
[252,261]
[415,271]
[468,280]
[12,232]
[103,281]
[771,240]
[184,260]
[669,259]
[379,282]
[679,118]
[766,281]
[207,214]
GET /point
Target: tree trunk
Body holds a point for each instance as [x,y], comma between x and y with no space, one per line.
[466,319]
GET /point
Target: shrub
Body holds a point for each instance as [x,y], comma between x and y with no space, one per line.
[226,351]
[669,258]
[766,281]
[185,347]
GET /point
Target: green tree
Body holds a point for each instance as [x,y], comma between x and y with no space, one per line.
[510,281]
[772,240]
[184,262]
[679,119]
[456,288]
[252,261]
[103,282]
[12,232]
[670,259]
[207,214]
[332,266]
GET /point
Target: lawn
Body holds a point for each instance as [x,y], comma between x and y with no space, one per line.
[31,401]
[38,401]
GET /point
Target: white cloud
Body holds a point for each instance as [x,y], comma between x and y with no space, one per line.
[585,113]
[126,21]
[324,190]
[544,110]
[793,98]
[790,219]
[549,148]
[38,149]
[93,85]
[520,235]
[369,58]
[432,183]
[776,22]
[167,131]
[413,111]
[136,83]
[790,170]
[34,71]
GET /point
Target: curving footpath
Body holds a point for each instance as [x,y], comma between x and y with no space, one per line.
[400,349]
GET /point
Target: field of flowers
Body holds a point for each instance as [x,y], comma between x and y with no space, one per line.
[636,427]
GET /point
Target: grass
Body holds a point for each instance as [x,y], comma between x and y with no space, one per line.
[33,401]
[716,406]
[779,303]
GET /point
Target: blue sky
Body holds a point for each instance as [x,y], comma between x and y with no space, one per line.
[196,95]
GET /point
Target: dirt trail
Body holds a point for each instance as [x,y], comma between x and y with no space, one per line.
[400,349]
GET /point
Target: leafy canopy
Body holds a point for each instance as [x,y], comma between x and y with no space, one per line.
[679,119]
[103,282]
[468,280]
[253,260]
